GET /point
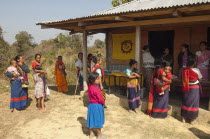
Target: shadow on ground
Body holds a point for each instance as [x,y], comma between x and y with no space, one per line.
[71,91]
[199,133]
[82,121]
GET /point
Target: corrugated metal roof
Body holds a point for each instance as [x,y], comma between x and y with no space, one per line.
[141,5]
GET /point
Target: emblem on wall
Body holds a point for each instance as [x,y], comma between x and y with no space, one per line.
[127,46]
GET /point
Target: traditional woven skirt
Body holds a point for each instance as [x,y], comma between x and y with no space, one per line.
[133,98]
[81,82]
[95,116]
[160,106]
[148,76]
[18,95]
[190,103]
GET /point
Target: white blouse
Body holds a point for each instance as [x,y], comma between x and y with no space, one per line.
[196,70]
[148,60]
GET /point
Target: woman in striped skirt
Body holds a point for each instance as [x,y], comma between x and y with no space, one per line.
[191,96]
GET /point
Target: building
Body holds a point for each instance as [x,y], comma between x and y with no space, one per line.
[159,23]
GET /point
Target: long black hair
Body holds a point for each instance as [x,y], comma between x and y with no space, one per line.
[132,62]
[203,42]
[181,54]
[96,59]
[90,55]
[36,55]
[146,47]
[92,77]
[17,57]
[191,60]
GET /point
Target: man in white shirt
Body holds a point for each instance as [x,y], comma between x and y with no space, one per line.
[148,65]
[79,66]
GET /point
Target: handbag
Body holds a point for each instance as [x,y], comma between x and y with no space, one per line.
[47,91]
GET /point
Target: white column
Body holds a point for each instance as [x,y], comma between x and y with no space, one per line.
[138,46]
[84,50]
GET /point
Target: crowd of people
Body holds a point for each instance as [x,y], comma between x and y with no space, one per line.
[192,69]
[158,77]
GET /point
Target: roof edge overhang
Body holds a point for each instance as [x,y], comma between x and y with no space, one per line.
[77,27]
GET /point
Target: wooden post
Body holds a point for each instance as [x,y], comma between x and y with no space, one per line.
[84,50]
[138,46]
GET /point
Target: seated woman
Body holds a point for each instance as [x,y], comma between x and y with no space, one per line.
[158,102]
[133,87]
[60,74]
[191,97]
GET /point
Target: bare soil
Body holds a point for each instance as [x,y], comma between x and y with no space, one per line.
[66,118]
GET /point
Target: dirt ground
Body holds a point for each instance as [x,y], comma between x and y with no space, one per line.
[66,119]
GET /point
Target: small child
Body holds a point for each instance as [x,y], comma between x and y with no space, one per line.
[14,70]
[167,77]
[95,115]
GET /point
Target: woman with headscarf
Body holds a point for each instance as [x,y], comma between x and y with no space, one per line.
[158,101]
[60,74]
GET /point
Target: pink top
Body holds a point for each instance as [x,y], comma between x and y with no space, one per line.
[95,95]
[14,70]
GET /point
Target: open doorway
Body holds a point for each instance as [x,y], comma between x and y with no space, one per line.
[158,40]
[208,37]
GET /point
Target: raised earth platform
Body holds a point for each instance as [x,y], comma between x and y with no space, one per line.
[115,99]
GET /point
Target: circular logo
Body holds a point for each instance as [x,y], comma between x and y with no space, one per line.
[127,46]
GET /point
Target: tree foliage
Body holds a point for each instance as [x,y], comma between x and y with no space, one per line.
[24,42]
[72,41]
[6,53]
[99,43]
[119,2]
[1,33]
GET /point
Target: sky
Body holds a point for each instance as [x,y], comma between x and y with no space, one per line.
[21,15]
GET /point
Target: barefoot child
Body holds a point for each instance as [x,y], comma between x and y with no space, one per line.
[39,80]
[95,115]
[18,95]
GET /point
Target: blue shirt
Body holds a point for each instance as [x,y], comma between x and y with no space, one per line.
[128,72]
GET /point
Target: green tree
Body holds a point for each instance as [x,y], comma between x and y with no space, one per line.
[99,43]
[1,33]
[119,2]
[72,41]
[24,41]
[6,52]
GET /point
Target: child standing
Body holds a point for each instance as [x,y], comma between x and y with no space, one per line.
[40,83]
[98,69]
[95,115]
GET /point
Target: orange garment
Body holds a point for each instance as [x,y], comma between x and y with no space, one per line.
[60,77]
